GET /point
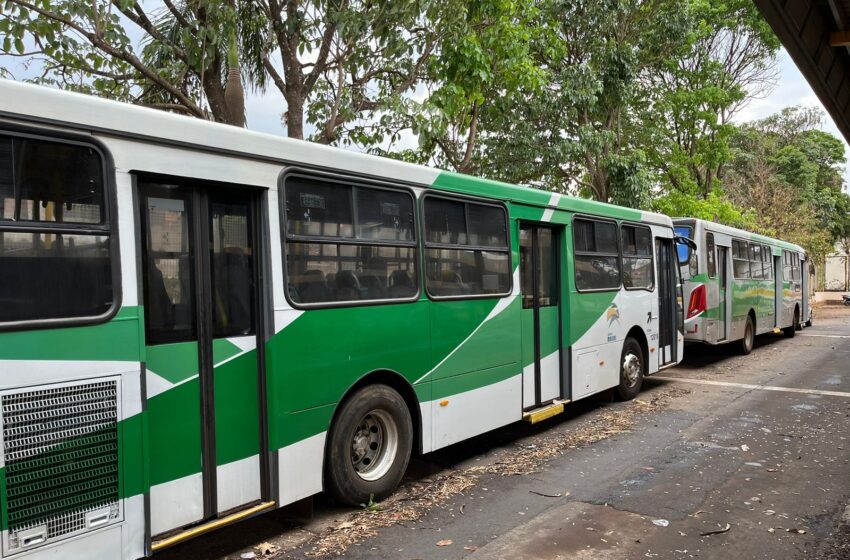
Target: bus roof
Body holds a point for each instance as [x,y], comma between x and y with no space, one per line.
[735,232]
[103,117]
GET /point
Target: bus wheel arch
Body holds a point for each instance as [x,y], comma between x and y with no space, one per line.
[637,333]
[370,440]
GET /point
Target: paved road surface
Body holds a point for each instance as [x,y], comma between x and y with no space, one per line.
[772,465]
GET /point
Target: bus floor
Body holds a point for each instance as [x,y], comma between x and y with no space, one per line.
[720,468]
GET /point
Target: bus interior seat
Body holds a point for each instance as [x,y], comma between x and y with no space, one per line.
[347,286]
[313,288]
[401,284]
[374,288]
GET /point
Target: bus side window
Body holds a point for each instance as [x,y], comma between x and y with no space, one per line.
[597,255]
[466,248]
[57,263]
[740,259]
[710,255]
[348,243]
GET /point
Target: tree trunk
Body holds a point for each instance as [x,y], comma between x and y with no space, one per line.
[294,114]
[234,98]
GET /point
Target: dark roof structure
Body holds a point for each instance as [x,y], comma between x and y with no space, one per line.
[816,33]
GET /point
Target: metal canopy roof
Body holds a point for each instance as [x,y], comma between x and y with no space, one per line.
[816,33]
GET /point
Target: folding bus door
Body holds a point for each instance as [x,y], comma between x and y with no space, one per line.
[541,330]
[204,374]
[669,310]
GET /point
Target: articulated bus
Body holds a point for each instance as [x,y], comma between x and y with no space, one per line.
[739,285]
[200,323]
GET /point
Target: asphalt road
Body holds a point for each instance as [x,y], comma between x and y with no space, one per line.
[748,458]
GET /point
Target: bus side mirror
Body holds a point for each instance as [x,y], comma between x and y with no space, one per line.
[684,247]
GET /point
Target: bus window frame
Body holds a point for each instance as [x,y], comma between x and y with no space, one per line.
[350,181]
[425,244]
[710,255]
[108,226]
[747,260]
[623,256]
[619,254]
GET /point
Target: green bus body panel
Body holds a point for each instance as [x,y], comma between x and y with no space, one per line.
[549,342]
[115,340]
[585,309]
[237,414]
[325,351]
[174,416]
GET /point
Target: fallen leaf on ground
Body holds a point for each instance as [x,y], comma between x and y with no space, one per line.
[445,542]
[660,522]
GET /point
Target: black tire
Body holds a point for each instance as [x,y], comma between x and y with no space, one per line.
[361,439]
[632,370]
[745,345]
[811,319]
[798,324]
[791,330]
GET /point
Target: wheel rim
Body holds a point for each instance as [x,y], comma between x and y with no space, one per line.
[374,445]
[632,369]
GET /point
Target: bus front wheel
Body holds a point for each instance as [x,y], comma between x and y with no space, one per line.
[745,345]
[631,370]
[369,447]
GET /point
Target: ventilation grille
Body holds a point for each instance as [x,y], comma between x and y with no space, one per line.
[60,447]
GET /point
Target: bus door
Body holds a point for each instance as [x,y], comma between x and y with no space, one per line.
[204,381]
[540,283]
[805,271]
[669,301]
[778,291]
[723,293]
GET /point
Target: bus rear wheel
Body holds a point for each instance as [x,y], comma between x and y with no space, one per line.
[745,345]
[791,330]
[369,446]
[631,370]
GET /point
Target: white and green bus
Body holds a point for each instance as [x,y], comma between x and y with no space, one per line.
[200,323]
[739,284]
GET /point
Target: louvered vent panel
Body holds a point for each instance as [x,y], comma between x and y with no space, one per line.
[60,447]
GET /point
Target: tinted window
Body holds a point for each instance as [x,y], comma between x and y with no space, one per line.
[380,266]
[170,312]
[318,208]
[384,215]
[445,221]
[232,269]
[711,255]
[43,181]
[336,272]
[478,259]
[54,276]
[597,258]
[637,257]
[740,259]
[47,269]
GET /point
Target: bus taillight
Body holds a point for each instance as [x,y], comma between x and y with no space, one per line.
[698,301]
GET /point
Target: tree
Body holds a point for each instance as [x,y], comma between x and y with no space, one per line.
[484,62]
[331,60]
[730,60]
[578,134]
[789,173]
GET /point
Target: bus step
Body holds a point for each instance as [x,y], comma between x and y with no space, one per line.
[209,526]
[544,412]
[777,330]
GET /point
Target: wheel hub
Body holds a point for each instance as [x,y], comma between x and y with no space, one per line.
[631,369]
[374,445]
